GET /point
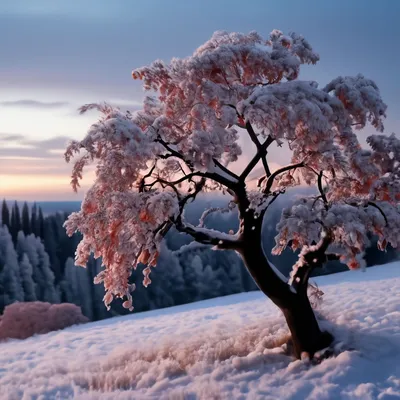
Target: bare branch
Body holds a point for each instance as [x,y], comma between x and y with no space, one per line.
[370,203]
[202,235]
[254,139]
[271,178]
[321,190]
[255,159]
[173,153]
[198,188]
[142,182]
[224,169]
[184,178]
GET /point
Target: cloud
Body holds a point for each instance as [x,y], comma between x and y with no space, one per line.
[5,137]
[36,169]
[14,147]
[126,106]
[29,103]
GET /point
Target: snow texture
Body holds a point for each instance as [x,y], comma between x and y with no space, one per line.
[225,348]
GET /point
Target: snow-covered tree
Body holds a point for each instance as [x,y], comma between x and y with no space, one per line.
[42,274]
[151,164]
[26,272]
[26,223]
[5,214]
[11,289]
[76,286]
[15,222]
[193,277]
[97,291]
[34,220]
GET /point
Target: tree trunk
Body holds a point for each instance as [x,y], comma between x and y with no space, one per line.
[306,334]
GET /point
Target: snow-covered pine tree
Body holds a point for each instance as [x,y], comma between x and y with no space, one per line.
[11,289]
[41,272]
[5,214]
[76,286]
[26,272]
[34,220]
[25,219]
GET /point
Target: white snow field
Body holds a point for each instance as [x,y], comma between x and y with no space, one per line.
[225,348]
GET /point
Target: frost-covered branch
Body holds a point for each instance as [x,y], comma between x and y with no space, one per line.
[310,258]
[173,153]
[222,241]
[188,132]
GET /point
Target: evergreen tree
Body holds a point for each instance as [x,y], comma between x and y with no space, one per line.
[40,224]
[76,287]
[168,287]
[13,231]
[97,291]
[34,220]
[15,225]
[18,225]
[26,223]
[5,214]
[10,282]
[193,272]
[50,244]
[27,282]
[42,274]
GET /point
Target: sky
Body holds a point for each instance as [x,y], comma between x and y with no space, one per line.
[57,55]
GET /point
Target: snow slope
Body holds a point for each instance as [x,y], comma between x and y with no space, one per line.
[225,348]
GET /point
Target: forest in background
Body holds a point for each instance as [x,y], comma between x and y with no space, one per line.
[37,262]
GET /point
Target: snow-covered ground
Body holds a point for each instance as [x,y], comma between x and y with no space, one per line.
[225,348]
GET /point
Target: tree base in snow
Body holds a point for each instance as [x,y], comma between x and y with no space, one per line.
[325,348]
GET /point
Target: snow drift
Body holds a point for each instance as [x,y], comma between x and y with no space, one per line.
[225,348]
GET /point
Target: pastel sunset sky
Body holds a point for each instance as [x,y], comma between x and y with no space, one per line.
[57,55]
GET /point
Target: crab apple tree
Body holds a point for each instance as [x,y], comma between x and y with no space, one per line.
[150,164]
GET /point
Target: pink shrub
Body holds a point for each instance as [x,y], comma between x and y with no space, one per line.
[22,320]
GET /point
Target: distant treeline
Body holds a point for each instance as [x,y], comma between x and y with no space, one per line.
[37,263]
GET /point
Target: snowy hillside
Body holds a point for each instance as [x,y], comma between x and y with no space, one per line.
[226,348]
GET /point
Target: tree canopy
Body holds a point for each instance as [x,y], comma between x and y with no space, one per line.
[151,163]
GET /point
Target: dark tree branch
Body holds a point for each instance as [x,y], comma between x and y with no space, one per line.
[210,175]
[201,235]
[255,140]
[207,237]
[272,177]
[184,178]
[224,169]
[311,260]
[321,189]
[191,196]
[143,180]
[261,151]
[370,203]
[173,153]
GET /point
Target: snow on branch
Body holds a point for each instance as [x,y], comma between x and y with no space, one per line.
[231,206]
[221,241]
[361,98]
[151,164]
